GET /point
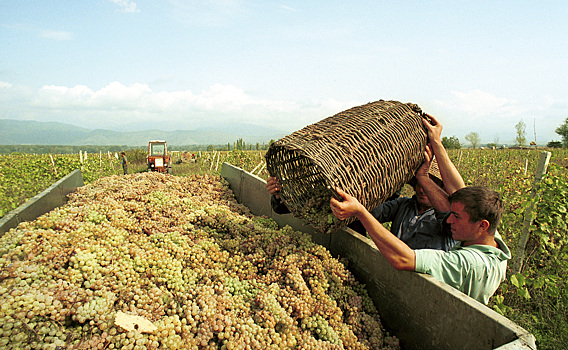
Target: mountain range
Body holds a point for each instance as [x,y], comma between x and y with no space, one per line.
[19,132]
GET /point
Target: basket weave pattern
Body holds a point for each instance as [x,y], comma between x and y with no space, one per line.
[369,151]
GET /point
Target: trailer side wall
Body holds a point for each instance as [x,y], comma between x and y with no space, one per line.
[422,311]
[52,197]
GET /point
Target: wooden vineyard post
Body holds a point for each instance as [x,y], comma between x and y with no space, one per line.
[212,160]
[517,263]
[53,163]
[256,167]
[218,156]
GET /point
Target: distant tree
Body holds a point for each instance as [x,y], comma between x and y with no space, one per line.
[473,138]
[228,146]
[492,145]
[521,133]
[554,144]
[240,145]
[562,130]
[451,142]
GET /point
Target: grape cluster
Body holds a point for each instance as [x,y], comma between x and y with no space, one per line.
[182,253]
[313,207]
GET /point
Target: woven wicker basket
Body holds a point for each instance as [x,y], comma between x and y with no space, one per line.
[369,151]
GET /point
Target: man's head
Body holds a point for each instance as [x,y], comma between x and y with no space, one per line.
[480,203]
[433,173]
[421,196]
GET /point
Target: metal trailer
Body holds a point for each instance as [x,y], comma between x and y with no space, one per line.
[51,198]
[448,320]
[422,311]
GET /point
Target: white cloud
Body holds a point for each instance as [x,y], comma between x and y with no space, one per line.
[55,35]
[495,116]
[478,103]
[126,5]
[138,106]
[118,104]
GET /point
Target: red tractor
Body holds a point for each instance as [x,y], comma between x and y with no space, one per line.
[158,158]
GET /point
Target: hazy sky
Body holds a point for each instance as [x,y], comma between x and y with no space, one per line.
[478,66]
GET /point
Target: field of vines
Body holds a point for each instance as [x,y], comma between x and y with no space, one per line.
[536,298]
[23,176]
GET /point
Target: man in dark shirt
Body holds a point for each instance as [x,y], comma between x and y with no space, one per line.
[124,163]
[414,220]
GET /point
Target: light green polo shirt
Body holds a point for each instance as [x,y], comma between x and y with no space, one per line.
[476,270]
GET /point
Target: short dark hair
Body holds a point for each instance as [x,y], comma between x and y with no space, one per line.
[481,203]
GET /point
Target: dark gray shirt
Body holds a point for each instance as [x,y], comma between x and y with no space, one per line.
[419,231]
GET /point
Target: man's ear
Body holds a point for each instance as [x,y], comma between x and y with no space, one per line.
[484,225]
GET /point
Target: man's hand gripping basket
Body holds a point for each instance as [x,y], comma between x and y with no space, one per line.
[369,151]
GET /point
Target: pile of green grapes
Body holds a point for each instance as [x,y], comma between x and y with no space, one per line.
[183,254]
[313,208]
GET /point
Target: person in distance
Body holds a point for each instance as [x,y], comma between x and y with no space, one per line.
[124,163]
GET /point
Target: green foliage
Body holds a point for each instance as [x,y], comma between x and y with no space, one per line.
[61,149]
[473,138]
[521,133]
[24,176]
[562,130]
[67,149]
[451,143]
[554,144]
[240,145]
[536,299]
[137,155]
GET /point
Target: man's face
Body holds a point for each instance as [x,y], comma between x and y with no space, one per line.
[462,228]
[421,197]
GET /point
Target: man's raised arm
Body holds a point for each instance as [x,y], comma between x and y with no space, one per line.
[450,175]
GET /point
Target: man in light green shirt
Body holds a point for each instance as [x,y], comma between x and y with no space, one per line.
[476,265]
[475,269]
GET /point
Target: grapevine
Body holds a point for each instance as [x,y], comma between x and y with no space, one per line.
[24,176]
[182,253]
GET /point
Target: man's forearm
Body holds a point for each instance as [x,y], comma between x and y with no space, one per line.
[450,175]
[397,253]
[436,195]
